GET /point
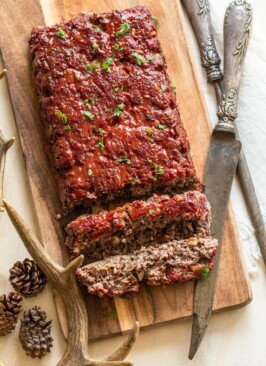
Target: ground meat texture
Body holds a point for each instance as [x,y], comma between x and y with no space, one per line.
[158,220]
[110,117]
[176,261]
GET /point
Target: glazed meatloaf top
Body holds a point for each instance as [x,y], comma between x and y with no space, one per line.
[111,122]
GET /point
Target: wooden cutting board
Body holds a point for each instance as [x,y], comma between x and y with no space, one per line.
[154,305]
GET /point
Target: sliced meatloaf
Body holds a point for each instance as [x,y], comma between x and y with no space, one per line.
[176,261]
[158,220]
[110,117]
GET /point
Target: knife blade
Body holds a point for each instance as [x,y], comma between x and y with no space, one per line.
[223,156]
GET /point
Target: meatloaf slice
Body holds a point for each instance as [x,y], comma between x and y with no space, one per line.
[176,261]
[110,117]
[158,220]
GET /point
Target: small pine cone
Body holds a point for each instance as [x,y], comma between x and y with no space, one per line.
[27,278]
[35,333]
[10,307]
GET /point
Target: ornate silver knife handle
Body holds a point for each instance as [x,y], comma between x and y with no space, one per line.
[237,27]
[199,14]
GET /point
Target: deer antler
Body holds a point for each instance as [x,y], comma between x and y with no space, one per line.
[64,281]
[2,74]
[4,146]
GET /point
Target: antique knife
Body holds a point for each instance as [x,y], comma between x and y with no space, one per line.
[223,155]
[200,18]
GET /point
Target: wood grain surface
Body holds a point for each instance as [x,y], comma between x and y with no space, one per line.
[154,305]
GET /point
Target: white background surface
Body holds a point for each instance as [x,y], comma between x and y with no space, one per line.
[233,338]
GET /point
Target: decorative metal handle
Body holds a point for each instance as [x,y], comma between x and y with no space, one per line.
[237,26]
[200,18]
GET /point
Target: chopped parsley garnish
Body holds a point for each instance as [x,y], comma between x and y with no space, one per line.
[112,314]
[155,19]
[117,47]
[106,64]
[101,131]
[163,88]
[118,110]
[174,89]
[134,181]
[97,28]
[90,67]
[151,212]
[158,170]
[90,172]
[150,58]
[150,131]
[124,159]
[67,128]
[85,237]
[125,27]
[60,33]
[204,273]
[151,141]
[162,127]
[100,143]
[86,103]
[139,60]
[95,47]
[63,116]
[88,115]
[94,99]
[120,89]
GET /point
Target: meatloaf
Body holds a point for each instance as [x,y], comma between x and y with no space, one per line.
[111,122]
[176,261]
[158,220]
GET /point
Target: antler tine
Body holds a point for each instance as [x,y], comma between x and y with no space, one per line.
[65,282]
[4,146]
[74,264]
[2,74]
[32,244]
[122,352]
[92,362]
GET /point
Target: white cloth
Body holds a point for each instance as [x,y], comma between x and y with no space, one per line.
[251,120]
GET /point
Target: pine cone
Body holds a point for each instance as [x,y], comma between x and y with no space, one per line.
[27,278]
[10,307]
[35,333]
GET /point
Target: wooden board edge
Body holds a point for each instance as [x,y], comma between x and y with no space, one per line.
[173,321]
[249,297]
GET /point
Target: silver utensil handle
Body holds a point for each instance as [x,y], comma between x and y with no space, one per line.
[237,27]
[199,14]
